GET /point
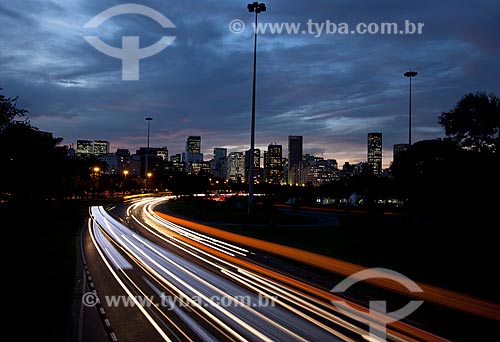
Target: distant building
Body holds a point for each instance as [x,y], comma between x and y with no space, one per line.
[193,144]
[349,170]
[162,152]
[219,163]
[294,155]
[123,158]
[193,152]
[123,152]
[297,173]
[177,163]
[70,152]
[274,167]
[199,168]
[135,167]
[111,160]
[101,147]
[319,175]
[375,153]
[220,153]
[152,159]
[84,148]
[193,149]
[398,150]
[319,171]
[236,167]
[256,165]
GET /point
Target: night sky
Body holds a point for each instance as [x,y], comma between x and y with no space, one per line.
[331,89]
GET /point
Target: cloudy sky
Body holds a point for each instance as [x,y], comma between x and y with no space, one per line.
[331,88]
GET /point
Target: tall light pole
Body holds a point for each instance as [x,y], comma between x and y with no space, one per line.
[257,8]
[146,169]
[410,74]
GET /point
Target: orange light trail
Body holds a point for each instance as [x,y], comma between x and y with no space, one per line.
[430,293]
[400,326]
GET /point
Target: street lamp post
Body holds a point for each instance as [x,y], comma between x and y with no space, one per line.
[257,8]
[148,176]
[125,173]
[96,170]
[410,74]
[146,169]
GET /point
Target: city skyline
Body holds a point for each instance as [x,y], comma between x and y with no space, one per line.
[331,89]
[212,155]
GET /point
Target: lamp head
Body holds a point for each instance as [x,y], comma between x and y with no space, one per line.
[256,7]
[410,73]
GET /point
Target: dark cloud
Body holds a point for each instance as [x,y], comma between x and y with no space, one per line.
[332,89]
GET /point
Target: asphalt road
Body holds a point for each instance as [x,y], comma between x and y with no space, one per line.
[160,281]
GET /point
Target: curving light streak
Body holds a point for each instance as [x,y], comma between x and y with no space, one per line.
[139,253]
[235,300]
[334,319]
[127,291]
[111,228]
[302,256]
[219,245]
[430,293]
[223,256]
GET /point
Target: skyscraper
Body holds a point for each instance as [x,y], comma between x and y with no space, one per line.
[101,147]
[294,154]
[84,148]
[219,165]
[375,152]
[220,153]
[193,151]
[177,163]
[236,166]
[193,145]
[398,150]
[275,163]
[162,152]
[256,164]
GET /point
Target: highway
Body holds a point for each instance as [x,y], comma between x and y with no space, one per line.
[164,281]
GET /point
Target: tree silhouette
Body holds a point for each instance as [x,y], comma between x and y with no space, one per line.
[32,165]
[474,123]
[9,110]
